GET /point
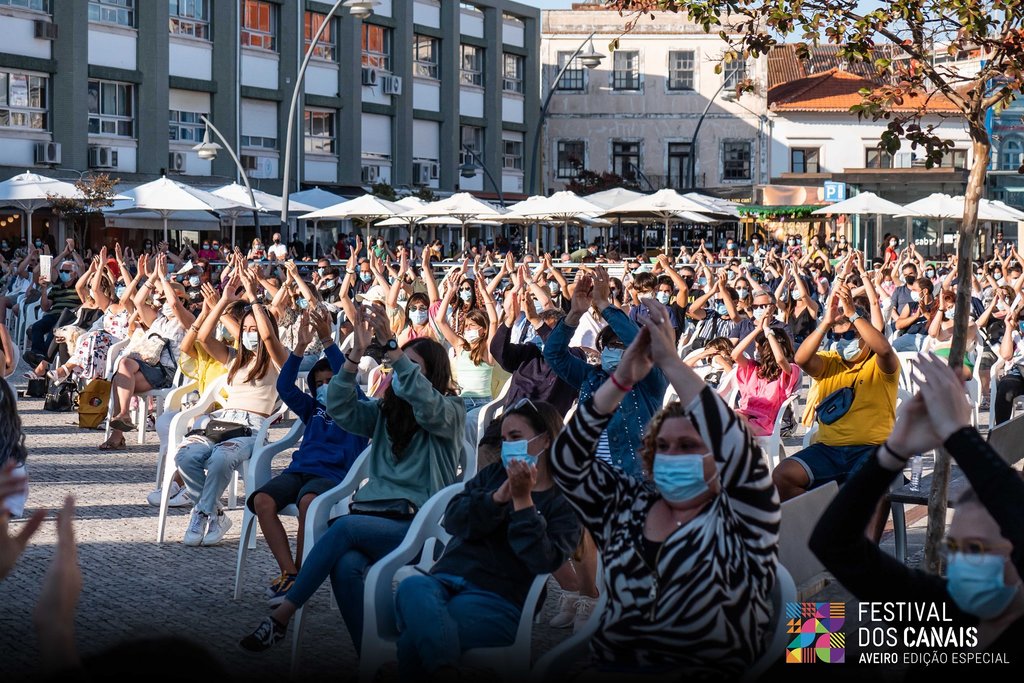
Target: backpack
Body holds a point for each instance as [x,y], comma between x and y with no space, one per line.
[93,403]
[61,398]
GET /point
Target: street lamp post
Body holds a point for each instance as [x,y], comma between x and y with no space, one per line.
[696,131]
[360,9]
[208,149]
[468,170]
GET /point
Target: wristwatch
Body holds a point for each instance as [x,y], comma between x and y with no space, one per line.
[855,317]
[391,344]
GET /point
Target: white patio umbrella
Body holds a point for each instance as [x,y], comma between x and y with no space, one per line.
[461,208]
[165,197]
[942,206]
[265,202]
[867,204]
[1003,206]
[716,204]
[563,207]
[617,196]
[30,191]
[663,205]
[367,208]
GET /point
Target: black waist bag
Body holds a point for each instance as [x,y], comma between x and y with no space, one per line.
[392,508]
[222,430]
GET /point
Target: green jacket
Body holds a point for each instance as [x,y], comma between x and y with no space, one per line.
[430,461]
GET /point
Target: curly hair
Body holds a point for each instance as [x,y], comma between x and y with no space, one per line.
[12,438]
[648,447]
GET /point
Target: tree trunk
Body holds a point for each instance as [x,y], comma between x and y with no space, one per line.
[937,499]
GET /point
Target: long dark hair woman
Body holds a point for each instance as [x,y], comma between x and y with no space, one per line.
[416,439]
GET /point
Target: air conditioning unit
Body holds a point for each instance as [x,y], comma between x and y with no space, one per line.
[46,30]
[391,85]
[371,174]
[421,173]
[47,152]
[369,76]
[102,157]
[176,162]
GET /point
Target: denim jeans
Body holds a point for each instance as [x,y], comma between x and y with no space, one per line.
[345,553]
[441,616]
[207,467]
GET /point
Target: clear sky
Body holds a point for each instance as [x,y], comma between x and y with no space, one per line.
[549,4]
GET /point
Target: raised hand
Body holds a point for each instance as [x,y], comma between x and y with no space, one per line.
[582,296]
[321,322]
[662,335]
[637,360]
[378,321]
[11,547]
[303,334]
[522,478]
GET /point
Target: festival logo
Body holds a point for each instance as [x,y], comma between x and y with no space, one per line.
[815,632]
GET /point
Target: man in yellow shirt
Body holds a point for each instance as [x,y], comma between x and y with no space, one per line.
[863,360]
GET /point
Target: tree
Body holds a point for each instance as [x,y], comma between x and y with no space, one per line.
[911,33]
[95,193]
[384,191]
[588,182]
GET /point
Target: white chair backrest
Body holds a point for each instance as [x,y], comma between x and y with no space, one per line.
[799,517]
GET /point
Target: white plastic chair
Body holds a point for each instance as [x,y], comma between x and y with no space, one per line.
[30,314]
[998,369]
[257,473]
[172,405]
[771,444]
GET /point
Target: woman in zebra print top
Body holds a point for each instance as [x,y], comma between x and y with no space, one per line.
[689,558]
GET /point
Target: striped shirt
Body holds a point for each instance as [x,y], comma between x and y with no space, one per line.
[706,607]
[63,297]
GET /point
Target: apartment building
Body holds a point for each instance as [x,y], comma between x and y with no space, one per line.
[120,85]
[651,104]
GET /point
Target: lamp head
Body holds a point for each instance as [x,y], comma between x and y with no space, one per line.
[207,149]
[468,170]
[590,57]
[361,9]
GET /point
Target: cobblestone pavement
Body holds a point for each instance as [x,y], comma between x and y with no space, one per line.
[135,588]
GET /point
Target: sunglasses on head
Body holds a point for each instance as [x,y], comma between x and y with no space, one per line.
[524,403]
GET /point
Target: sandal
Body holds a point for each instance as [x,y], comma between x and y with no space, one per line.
[122,425]
[120,446]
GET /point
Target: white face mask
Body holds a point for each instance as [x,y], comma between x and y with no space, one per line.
[471,335]
[250,340]
[948,313]
[167,310]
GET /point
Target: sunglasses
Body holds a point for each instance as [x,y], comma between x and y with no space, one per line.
[524,403]
[845,336]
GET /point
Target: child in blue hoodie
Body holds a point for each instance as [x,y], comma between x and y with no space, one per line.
[322,459]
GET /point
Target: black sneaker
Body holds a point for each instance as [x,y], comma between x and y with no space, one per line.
[264,637]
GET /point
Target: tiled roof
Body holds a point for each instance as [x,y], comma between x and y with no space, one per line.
[836,90]
[785,66]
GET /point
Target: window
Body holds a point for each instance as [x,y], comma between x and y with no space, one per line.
[472,65]
[111,108]
[187,126]
[258,141]
[319,127]
[425,50]
[626,159]
[734,72]
[679,165]
[954,158]
[37,5]
[120,12]
[804,160]
[23,101]
[512,80]
[472,138]
[735,161]
[1010,155]
[574,77]
[259,25]
[377,47]
[877,158]
[325,47]
[512,158]
[571,158]
[680,69]
[626,75]
[190,18]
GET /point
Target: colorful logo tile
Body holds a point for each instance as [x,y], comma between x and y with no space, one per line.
[815,632]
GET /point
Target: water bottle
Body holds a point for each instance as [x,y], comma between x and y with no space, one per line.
[916,465]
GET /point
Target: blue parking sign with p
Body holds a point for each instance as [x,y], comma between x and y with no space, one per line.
[834,191]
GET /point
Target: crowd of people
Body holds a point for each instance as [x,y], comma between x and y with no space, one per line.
[633,393]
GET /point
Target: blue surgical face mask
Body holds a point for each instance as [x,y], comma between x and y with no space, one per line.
[194,281]
[759,313]
[119,291]
[321,394]
[848,348]
[662,298]
[250,340]
[553,287]
[65,276]
[977,586]
[302,303]
[610,359]
[466,294]
[796,295]
[538,306]
[722,309]
[702,281]
[516,450]
[418,317]
[320,271]
[365,277]
[742,292]
[679,478]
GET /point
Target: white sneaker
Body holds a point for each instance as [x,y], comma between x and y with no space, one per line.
[584,608]
[565,613]
[196,530]
[179,497]
[219,526]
